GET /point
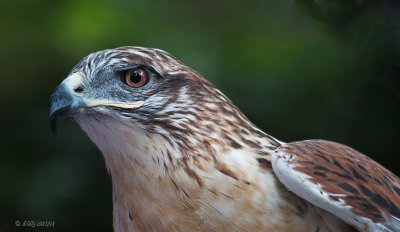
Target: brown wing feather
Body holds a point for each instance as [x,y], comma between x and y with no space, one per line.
[371,190]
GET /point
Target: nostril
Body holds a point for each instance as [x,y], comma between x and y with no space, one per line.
[78,89]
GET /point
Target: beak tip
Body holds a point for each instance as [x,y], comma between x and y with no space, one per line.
[60,105]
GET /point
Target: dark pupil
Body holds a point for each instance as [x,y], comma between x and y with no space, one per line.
[136,77]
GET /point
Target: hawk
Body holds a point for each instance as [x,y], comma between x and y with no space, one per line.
[182,157]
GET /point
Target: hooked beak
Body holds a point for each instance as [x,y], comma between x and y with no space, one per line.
[68,100]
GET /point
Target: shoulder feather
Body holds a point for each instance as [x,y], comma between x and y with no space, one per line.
[342,181]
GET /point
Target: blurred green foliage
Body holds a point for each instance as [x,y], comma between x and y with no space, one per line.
[298,69]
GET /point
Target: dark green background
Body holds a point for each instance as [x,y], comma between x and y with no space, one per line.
[298,69]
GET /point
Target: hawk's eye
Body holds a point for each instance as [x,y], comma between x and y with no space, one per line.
[136,78]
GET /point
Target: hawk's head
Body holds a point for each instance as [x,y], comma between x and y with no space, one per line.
[148,90]
[134,85]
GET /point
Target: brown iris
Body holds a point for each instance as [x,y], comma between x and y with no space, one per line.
[136,78]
